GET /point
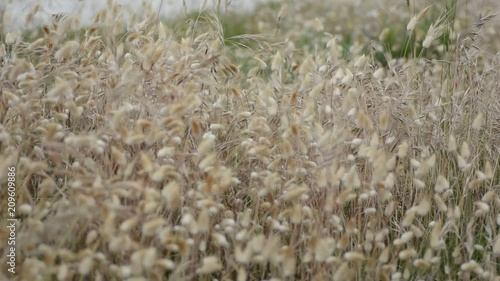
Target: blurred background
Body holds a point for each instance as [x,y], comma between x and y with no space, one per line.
[15,11]
[355,24]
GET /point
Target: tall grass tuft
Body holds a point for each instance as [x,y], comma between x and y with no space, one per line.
[294,149]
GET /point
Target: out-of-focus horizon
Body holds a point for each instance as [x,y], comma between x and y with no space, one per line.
[13,13]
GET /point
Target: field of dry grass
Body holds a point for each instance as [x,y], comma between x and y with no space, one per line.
[359,142]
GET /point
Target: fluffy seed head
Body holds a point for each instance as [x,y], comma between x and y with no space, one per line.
[209,265]
[442,184]
[411,25]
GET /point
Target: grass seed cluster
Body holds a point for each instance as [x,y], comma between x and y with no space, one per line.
[183,154]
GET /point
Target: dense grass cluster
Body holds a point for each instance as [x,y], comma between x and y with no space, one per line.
[149,151]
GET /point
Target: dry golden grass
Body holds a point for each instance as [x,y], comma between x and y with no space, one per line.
[167,156]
